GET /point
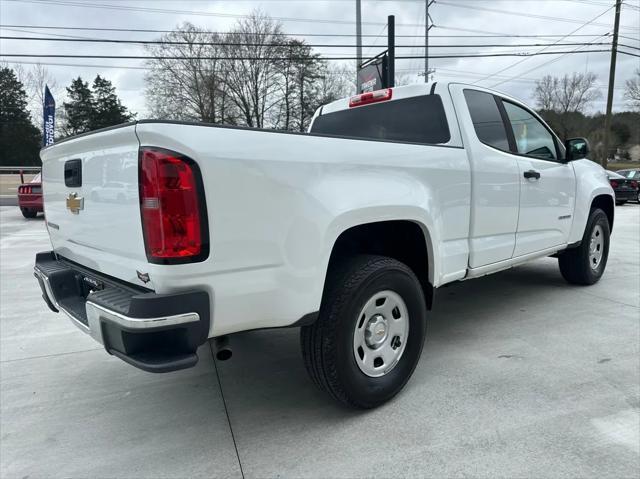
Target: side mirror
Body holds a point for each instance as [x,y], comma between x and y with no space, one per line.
[577,148]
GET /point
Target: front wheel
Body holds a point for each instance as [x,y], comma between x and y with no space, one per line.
[369,335]
[586,263]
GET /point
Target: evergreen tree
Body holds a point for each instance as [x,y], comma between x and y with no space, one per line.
[108,110]
[79,110]
[19,139]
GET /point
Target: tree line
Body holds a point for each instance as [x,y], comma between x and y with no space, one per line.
[564,101]
[86,109]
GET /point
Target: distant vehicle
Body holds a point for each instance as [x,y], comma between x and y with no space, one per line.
[344,231]
[624,188]
[631,174]
[30,197]
[115,192]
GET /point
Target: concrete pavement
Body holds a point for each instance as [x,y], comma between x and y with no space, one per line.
[522,375]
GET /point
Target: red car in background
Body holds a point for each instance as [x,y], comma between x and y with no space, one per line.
[30,197]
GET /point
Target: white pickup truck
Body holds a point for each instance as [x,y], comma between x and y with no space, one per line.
[167,234]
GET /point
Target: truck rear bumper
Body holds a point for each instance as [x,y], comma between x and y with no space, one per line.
[153,332]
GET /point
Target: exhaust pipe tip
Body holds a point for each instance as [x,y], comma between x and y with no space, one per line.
[224,354]
[223,350]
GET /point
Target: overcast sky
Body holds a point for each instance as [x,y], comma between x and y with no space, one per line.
[303,17]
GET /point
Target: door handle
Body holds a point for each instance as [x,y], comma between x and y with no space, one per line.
[532,174]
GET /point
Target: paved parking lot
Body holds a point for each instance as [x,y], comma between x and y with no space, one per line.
[522,376]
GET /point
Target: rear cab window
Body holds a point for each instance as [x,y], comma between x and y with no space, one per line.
[418,119]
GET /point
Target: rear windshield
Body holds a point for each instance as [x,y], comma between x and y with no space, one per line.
[418,119]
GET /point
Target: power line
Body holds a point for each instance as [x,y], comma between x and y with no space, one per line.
[526,15]
[452,73]
[284,45]
[344,35]
[70,3]
[405,57]
[553,60]
[508,67]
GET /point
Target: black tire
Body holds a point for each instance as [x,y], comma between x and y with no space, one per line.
[27,213]
[327,345]
[575,264]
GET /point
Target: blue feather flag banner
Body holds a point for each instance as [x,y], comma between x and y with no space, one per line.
[49,117]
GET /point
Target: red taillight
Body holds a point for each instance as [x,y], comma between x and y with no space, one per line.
[173,217]
[634,185]
[370,97]
[614,183]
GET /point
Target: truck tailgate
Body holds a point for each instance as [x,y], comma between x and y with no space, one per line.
[93,215]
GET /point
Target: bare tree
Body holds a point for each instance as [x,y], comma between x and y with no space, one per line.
[34,81]
[186,78]
[252,74]
[569,94]
[632,90]
[545,93]
[332,83]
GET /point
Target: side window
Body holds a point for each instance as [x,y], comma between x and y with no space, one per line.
[532,138]
[486,118]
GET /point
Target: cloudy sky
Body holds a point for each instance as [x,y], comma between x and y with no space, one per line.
[545,21]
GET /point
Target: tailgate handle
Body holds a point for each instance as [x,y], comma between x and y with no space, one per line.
[73,173]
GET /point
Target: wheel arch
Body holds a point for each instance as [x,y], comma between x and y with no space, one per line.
[606,204]
[405,240]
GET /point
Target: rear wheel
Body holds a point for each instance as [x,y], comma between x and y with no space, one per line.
[27,213]
[586,263]
[369,335]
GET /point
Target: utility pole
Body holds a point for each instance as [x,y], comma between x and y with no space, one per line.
[612,80]
[358,39]
[427,27]
[391,51]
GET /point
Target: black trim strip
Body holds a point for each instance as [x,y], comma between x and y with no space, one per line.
[511,138]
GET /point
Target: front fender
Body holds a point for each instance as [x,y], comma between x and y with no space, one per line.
[591,182]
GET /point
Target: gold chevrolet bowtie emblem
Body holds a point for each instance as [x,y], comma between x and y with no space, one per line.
[75,204]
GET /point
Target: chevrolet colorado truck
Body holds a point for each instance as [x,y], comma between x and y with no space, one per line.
[167,234]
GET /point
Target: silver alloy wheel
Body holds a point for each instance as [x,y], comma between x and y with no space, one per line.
[596,246]
[381,333]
